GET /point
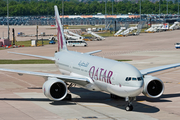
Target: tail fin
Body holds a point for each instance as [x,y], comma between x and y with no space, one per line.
[60,32]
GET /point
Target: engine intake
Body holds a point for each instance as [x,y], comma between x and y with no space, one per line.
[55,89]
[153,87]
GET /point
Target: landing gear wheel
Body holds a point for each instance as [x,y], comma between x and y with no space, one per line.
[68,97]
[129,108]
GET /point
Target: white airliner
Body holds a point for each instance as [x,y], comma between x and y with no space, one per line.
[96,74]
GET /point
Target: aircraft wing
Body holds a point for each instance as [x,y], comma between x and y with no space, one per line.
[44,57]
[66,78]
[157,69]
[92,52]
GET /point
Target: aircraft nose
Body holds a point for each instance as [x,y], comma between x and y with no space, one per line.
[135,91]
[140,83]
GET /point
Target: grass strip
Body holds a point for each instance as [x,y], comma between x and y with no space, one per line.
[28,43]
[30,61]
[103,34]
[1,48]
[26,62]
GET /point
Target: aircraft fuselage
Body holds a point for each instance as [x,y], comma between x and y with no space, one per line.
[104,74]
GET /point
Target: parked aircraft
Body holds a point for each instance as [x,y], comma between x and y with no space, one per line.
[96,74]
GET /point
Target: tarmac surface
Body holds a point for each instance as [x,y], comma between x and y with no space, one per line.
[21,97]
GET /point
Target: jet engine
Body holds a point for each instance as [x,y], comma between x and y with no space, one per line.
[55,89]
[153,87]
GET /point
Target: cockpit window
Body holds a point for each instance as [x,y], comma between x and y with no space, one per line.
[133,78]
[128,78]
[140,78]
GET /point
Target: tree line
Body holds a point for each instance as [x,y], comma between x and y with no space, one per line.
[73,7]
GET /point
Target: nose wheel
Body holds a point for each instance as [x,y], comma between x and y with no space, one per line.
[129,107]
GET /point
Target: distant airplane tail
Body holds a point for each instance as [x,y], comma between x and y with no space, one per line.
[60,32]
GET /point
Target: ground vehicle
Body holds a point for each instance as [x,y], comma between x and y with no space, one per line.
[52,42]
[53,38]
[76,43]
[177,45]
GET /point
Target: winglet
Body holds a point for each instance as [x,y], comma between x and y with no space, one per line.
[60,33]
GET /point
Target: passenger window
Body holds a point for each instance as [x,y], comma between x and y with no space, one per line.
[133,78]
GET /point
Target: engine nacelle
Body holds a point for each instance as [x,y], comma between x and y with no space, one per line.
[55,89]
[153,87]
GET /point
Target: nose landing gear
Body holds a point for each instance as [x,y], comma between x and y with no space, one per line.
[129,107]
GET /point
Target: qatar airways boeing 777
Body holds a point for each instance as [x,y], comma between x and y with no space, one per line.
[96,74]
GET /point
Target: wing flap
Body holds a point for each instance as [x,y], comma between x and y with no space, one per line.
[66,78]
[160,68]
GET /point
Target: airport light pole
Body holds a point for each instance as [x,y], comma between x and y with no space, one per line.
[178,10]
[159,8]
[105,12]
[167,7]
[8,17]
[140,10]
[112,6]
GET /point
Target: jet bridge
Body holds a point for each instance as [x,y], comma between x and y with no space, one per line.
[96,36]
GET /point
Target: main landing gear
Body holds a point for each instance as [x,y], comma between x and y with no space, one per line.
[129,107]
[69,96]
